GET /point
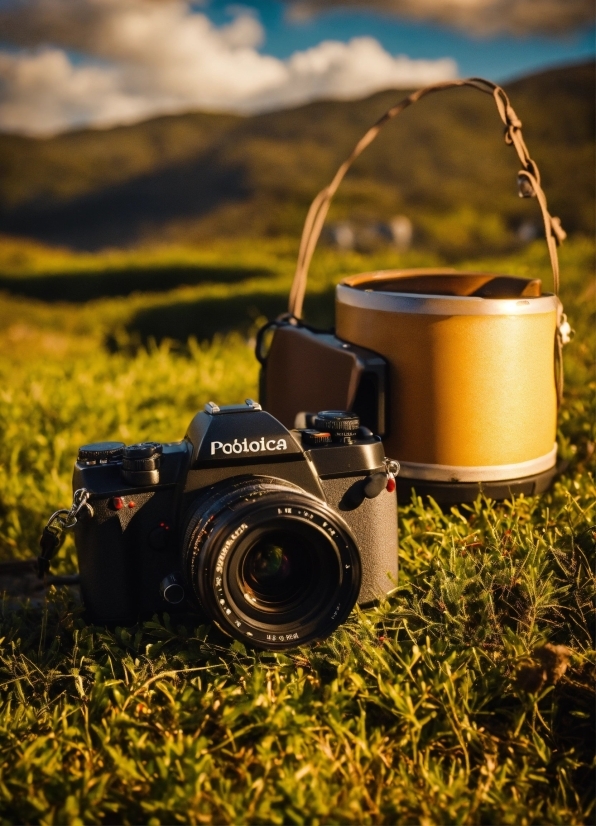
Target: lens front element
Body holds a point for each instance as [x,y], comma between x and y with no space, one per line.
[274,569]
[273,566]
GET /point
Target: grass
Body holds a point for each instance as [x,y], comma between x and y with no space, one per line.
[443,705]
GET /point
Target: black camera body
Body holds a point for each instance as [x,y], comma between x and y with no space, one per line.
[272,534]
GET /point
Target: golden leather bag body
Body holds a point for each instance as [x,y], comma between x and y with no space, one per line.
[471,379]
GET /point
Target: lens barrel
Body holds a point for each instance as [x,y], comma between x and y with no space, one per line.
[270,564]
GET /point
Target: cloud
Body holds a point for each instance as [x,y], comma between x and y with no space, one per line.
[107,62]
[483,17]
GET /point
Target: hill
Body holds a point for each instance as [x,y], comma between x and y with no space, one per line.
[199,176]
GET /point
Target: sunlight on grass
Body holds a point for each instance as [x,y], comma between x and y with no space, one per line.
[417,711]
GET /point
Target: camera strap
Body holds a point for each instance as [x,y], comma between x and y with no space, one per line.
[53,535]
[528,182]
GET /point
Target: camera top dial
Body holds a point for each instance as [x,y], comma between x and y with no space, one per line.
[140,463]
[341,424]
[100,453]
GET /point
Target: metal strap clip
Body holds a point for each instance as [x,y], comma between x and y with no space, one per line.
[53,533]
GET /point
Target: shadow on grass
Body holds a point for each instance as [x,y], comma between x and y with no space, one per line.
[79,287]
[207,316]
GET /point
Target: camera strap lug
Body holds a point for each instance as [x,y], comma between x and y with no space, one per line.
[392,469]
[52,536]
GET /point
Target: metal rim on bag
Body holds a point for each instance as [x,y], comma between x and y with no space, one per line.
[425,304]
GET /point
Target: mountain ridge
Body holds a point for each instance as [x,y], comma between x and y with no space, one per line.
[197,176]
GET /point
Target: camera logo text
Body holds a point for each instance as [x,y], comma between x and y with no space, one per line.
[244,446]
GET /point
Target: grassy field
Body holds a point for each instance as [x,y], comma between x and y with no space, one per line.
[441,706]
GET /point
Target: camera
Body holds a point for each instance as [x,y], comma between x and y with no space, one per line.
[272,534]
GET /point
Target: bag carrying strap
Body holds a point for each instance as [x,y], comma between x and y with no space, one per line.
[528,180]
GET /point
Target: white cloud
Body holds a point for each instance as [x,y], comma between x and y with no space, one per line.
[143,58]
[484,17]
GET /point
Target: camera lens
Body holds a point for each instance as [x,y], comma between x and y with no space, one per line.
[270,564]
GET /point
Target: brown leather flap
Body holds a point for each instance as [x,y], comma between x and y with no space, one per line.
[308,372]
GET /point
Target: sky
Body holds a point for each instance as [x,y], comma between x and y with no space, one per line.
[68,64]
